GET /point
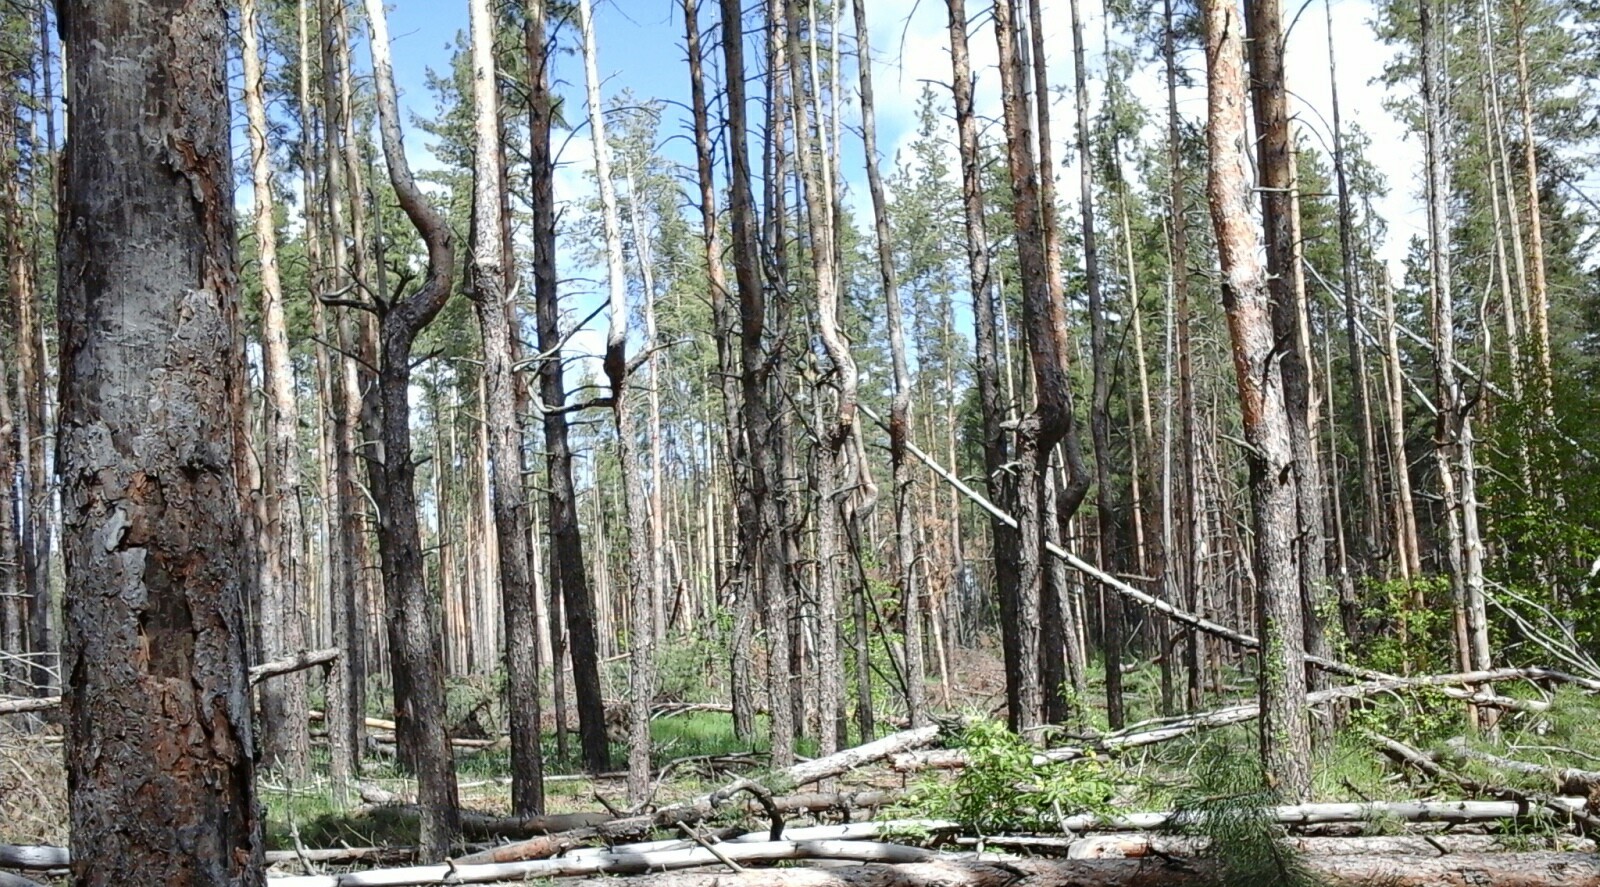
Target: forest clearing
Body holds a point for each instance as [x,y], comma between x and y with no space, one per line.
[800,442]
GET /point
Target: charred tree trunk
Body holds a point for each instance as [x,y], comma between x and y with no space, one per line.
[416,655]
[156,547]
[569,573]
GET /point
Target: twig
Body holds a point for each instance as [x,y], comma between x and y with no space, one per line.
[734,866]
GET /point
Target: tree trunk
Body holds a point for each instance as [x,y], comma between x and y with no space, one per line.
[1278,184]
[413,612]
[156,548]
[641,630]
[1004,543]
[1264,404]
[285,735]
[768,556]
[513,531]
[569,572]
[1099,421]
[725,318]
[900,409]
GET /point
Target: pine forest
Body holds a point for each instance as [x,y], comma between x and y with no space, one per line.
[675,443]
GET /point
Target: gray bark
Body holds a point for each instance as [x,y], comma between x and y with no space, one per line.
[156,548]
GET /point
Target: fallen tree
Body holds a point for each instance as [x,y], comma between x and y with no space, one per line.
[615,864]
[1455,870]
[1153,732]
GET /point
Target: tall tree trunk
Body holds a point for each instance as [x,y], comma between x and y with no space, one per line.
[1264,405]
[768,556]
[641,631]
[286,740]
[1045,325]
[1454,443]
[900,406]
[725,318]
[157,551]
[513,531]
[569,573]
[415,658]
[1005,544]
[1537,286]
[350,604]
[1099,421]
[1191,508]
[1371,519]
[1278,184]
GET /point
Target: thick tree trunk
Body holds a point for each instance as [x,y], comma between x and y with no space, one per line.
[767,557]
[157,554]
[1265,407]
[1278,186]
[513,532]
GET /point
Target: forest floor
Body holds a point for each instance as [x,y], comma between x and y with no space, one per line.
[1004,799]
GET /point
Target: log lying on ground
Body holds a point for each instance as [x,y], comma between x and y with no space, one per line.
[1132,846]
[1456,812]
[1455,870]
[1408,756]
[1151,733]
[258,673]
[1566,780]
[698,809]
[615,864]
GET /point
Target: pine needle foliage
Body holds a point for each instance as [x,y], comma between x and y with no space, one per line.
[1227,805]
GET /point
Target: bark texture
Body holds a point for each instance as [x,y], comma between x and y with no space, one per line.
[503,429]
[1285,742]
[156,549]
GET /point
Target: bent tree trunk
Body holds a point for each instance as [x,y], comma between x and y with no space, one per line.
[158,561]
[413,613]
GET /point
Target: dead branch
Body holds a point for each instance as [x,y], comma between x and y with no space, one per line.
[1566,780]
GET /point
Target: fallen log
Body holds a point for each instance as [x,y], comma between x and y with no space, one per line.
[614,864]
[1455,870]
[1131,846]
[1151,733]
[1406,755]
[1566,780]
[1455,812]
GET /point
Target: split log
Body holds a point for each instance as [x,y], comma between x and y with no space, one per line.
[1455,870]
[1151,733]
[614,864]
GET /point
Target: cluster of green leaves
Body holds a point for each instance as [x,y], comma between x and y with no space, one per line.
[1004,789]
[1406,626]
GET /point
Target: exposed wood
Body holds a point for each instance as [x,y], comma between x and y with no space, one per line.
[288,664]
